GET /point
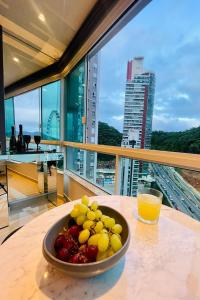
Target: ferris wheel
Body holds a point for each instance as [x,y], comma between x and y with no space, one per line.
[53,124]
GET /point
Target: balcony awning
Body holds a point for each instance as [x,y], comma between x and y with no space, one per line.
[44,40]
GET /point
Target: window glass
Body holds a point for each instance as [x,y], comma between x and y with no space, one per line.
[27,112]
[50,109]
[145,94]
[84,163]
[180,187]
[9,115]
[74,103]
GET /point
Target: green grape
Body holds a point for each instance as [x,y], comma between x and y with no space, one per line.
[83,236]
[99,226]
[77,205]
[103,242]
[104,230]
[88,224]
[80,219]
[85,200]
[98,214]
[83,208]
[93,240]
[74,213]
[110,252]
[119,236]
[101,256]
[115,242]
[103,217]
[117,228]
[112,221]
[91,215]
[109,222]
[94,206]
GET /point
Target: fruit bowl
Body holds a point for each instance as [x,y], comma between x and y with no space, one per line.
[88,269]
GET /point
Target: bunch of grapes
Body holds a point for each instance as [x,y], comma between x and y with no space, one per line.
[91,236]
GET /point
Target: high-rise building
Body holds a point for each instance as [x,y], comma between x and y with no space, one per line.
[85,162]
[92,100]
[138,113]
[92,117]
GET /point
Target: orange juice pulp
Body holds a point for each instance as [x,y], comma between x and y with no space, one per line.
[148,206]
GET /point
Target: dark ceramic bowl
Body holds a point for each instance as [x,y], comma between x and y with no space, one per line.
[89,269]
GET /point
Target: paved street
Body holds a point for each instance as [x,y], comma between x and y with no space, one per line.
[180,194]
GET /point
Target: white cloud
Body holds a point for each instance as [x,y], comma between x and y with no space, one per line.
[167,123]
[182,96]
[118,118]
[161,118]
[190,122]
[159,108]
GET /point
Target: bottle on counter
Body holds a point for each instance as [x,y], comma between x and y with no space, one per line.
[13,142]
[21,142]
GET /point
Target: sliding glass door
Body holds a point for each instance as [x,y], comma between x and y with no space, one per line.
[9,115]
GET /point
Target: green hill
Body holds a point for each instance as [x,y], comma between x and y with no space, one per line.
[187,141]
[108,135]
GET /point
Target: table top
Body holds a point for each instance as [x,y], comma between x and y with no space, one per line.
[162,262]
[31,157]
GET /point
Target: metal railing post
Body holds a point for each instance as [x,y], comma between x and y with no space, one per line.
[2,104]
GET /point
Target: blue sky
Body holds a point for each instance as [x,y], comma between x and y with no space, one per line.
[27,111]
[167,34]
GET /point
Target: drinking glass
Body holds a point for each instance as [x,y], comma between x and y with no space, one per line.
[27,139]
[37,139]
[149,203]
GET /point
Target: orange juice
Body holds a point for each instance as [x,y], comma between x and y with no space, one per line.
[148,207]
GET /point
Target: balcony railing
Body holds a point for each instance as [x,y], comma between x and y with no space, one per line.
[174,159]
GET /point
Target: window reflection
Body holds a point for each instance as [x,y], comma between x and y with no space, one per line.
[50,111]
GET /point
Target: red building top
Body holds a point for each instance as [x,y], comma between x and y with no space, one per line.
[129,70]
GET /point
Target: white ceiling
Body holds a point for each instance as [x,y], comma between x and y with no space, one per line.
[37,32]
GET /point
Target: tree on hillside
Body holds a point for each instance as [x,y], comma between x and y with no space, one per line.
[108,135]
[187,141]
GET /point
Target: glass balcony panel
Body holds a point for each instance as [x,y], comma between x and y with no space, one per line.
[92,167]
[74,103]
[9,115]
[105,172]
[180,187]
[50,111]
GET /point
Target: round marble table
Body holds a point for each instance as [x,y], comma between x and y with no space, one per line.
[162,262]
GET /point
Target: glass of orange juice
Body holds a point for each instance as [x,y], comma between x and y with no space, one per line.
[149,203]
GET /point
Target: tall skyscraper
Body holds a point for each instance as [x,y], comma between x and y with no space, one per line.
[85,162]
[92,100]
[92,115]
[138,113]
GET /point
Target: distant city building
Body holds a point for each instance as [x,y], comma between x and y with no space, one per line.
[138,113]
[92,100]
[106,178]
[85,162]
[92,115]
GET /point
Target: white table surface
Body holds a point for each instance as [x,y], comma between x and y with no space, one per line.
[162,262]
